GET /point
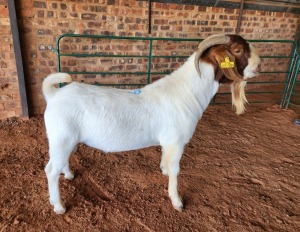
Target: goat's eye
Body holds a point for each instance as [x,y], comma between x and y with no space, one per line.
[237,51]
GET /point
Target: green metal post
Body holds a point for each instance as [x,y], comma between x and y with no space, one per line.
[149,62]
[57,50]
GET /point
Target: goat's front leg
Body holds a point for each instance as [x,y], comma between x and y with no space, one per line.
[172,155]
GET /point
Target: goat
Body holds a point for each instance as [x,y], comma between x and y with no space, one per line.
[164,113]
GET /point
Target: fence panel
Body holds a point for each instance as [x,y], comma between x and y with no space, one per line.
[128,62]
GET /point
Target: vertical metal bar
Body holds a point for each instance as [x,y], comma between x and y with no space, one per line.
[18,57]
[149,16]
[238,27]
[57,50]
[58,62]
[149,61]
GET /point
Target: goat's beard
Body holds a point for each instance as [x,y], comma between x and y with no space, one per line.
[238,96]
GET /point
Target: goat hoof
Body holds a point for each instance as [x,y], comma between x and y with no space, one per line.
[59,209]
[177,204]
[180,208]
[69,176]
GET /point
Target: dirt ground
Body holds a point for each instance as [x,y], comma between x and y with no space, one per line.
[238,173]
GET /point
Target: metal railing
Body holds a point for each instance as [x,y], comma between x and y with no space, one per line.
[286,84]
[150,56]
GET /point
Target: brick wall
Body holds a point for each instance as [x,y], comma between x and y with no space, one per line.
[41,22]
[9,90]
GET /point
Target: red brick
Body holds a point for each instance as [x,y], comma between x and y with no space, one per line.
[8,113]
[5,48]
[88,16]
[279,14]
[41,13]
[111,2]
[202,8]
[28,4]
[27,13]
[3,11]
[63,6]
[39,4]
[229,11]
[189,7]
[217,10]
[3,2]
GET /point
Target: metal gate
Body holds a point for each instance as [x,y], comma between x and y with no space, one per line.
[145,59]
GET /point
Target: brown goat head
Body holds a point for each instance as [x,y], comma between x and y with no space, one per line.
[234,60]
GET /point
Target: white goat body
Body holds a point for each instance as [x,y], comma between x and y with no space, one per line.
[164,113]
[120,120]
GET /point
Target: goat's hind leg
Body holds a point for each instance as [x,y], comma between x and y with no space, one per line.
[58,163]
[53,173]
[69,175]
[163,164]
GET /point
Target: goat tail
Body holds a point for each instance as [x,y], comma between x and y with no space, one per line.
[49,89]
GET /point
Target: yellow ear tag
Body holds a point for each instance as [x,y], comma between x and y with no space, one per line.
[227,63]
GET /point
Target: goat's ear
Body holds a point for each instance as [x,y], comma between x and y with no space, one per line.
[227,64]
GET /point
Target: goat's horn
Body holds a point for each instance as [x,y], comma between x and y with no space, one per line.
[208,42]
